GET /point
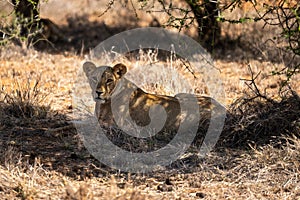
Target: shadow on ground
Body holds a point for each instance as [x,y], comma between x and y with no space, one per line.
[258,122]
[54,140]
[81,35]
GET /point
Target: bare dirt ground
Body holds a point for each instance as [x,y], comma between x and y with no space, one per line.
[42,156]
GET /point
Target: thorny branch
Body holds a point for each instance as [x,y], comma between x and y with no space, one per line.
[251,84]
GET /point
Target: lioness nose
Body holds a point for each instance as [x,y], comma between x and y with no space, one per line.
[99,93]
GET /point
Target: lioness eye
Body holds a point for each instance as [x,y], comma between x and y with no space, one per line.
[109,80]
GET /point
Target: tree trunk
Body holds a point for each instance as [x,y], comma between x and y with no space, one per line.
[208,28]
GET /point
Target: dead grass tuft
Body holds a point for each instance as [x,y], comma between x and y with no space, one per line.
[258,121]
[24,100]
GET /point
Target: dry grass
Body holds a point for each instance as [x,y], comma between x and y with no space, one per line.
[25,100]
[42,157]
[264,173]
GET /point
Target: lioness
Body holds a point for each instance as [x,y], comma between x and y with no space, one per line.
[115,95]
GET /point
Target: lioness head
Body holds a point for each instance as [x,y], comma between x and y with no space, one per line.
[103,79]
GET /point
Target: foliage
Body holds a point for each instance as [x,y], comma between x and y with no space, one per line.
[284,14]
[16,32]
[25,25]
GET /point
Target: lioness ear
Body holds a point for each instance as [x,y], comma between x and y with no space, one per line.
[88,67]
[119,70]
